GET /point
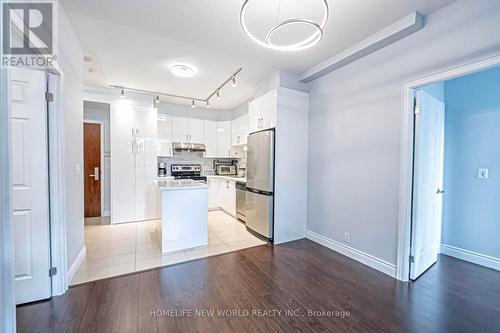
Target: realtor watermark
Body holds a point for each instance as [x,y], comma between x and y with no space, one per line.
[28,34]
[237,312]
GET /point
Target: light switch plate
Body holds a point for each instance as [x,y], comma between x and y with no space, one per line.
[482,173]
[78,169]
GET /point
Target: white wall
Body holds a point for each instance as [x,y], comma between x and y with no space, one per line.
[355,121]
[70,58]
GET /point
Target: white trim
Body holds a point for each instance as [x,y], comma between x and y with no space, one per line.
[360,256]
[102,177]
[471,256]
[76,264]
[382,38]
[7,300]
[106,213]
[57,185]
[406,165]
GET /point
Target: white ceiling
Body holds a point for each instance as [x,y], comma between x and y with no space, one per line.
[133,42]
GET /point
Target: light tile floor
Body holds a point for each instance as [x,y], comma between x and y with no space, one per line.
[124,248]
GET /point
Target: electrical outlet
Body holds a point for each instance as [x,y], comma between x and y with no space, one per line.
[482,173]
[347,237]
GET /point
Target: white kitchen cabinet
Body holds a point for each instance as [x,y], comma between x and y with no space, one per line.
[133,163]
[187,130]
[224,139]
[210,138]
[227,196]
[165,127]
[262,112]
[239,130]
[213,193]
[254,116]
[180,129]
[196,130]
[164,124]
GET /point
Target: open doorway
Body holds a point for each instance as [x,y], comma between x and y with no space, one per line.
[456,173]
[96,157]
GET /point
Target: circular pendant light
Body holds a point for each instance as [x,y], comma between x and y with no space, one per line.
[306,43]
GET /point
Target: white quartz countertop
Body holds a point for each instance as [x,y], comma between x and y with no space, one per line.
[237,179]
[178,185]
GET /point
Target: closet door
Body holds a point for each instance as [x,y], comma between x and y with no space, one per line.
[146,164]
[122,127]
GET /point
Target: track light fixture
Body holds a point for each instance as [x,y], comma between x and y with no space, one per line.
[156,94]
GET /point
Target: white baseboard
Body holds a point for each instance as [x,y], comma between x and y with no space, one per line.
[362,257]
[470,256]
[76,264]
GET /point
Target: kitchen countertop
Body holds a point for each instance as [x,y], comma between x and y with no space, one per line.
[237,179]
[166,184]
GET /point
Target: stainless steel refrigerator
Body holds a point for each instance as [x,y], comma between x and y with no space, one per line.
[260,183]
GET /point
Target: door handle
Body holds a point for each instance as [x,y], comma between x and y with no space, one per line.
[96,174]
[439,191]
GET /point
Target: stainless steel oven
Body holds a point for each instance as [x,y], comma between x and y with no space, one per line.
[241,198]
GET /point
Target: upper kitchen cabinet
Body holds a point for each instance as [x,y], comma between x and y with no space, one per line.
[180,129]
[239,130]
[187,130]
[224,139]
[165,127]
[210,138]
[196,130]
[262,112]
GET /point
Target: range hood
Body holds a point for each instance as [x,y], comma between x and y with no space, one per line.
[193,147]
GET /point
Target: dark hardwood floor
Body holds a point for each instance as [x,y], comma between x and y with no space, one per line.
[453,296]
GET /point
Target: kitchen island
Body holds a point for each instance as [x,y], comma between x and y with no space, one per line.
[184,215]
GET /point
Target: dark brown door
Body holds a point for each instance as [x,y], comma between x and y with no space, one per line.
[92,169]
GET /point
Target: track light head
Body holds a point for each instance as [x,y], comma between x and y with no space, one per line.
[122,94]
[208,104]
[233,84]
[192,104]
[157,100]
[218,94]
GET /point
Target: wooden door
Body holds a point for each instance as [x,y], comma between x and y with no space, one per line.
[428,183]
[92,169]
[30,189]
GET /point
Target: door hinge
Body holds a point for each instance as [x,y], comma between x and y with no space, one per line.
[416,108]
[52,271]
[412,259]
[49,97]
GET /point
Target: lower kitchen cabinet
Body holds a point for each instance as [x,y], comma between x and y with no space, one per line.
[227,193]
[213,193]
[222,194]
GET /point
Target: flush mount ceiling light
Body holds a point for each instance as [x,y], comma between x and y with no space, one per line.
[183,71]
[306,43]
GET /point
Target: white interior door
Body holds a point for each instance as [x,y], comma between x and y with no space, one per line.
[428,183]
[30,190]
